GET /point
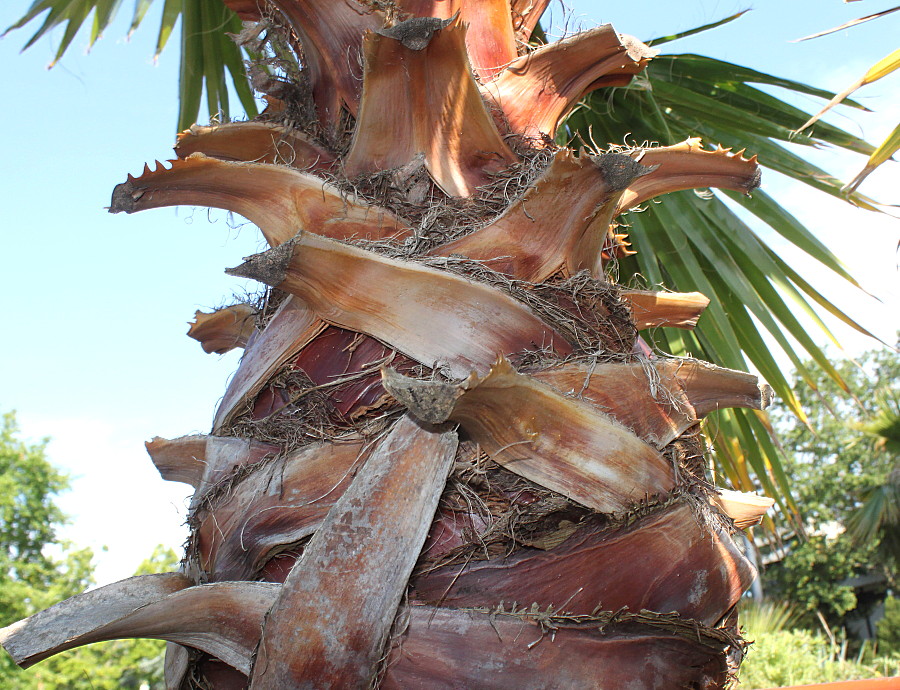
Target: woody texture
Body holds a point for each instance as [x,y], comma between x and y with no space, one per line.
[447,459]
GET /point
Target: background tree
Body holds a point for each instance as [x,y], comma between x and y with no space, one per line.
[38,569]
[836,467]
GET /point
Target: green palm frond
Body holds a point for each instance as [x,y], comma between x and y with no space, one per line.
[692,241]
[208,55]
[877,520]
[766,617]
[884,424]
[700,29]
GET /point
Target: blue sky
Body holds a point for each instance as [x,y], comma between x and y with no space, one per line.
[95,306]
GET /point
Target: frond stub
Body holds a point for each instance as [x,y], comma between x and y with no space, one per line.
[461,648]
[538,89]
[403,304]
[672,309]
[490,40]
[222,619]
[658,400]
[525,16]
[338,603]
[291,328]
[689,166]
[279,200]
[224,329]
[254,142]
[423,99]
[179,460]
[203,461]
[331,34]
[560,443]
[746,509]
[676,562]
[240,529]
[549,228]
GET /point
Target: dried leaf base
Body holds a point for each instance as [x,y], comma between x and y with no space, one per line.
[446,459]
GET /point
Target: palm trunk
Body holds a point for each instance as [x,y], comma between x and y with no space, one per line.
[446,458]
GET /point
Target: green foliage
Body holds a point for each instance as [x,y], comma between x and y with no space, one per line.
[32,579]
[837,469]
[877,520]
[690,242]
[794,657]
[810,578]
[888,628]
[762,617]
[835,463]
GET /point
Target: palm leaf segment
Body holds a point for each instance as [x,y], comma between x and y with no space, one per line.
[444,406]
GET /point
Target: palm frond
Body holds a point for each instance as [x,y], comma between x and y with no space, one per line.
[847,25]
[766,617]
[696,30]
[882,68]
[693,241]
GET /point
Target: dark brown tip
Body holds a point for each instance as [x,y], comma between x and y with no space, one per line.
[429,401]
[123,197]
[416,33]
[620,170]
[269,267]
[755,181]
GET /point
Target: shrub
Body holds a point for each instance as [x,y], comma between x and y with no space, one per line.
[888,628]
[796,657]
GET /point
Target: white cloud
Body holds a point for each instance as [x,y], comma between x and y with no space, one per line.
[119,505]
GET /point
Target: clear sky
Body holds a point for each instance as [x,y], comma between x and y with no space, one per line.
[95,306]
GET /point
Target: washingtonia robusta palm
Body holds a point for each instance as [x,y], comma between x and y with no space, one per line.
[447,458]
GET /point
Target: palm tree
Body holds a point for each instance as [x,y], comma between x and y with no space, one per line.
[877,519]
[447,459]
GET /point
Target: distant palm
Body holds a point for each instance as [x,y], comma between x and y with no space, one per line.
[878,518]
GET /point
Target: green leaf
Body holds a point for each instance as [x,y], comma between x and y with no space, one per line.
[190,85]
[140,10]
[103,14]
[76,15]
[171,11]
[883,153]
[776,217]
[232,57]
[206,54]
[880,69]
[847,25]
[749,253]
[703,68]
[708,107]
[749,99]
[59,12]
[697,30]
[38,7]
